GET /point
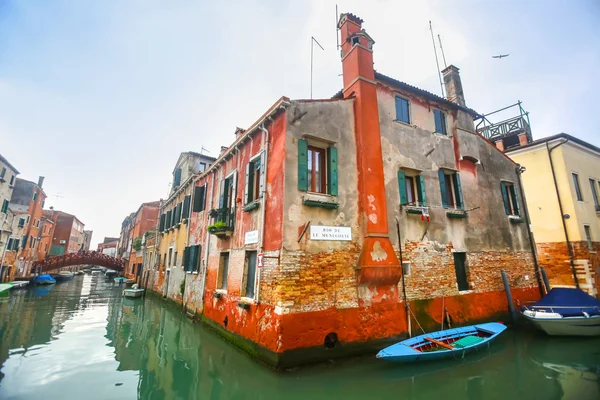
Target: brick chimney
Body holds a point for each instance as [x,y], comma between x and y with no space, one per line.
[223,150]
[40,181]
[454,90]
[377,263]
[239,132]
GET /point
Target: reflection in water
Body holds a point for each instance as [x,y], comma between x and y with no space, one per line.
[83,340]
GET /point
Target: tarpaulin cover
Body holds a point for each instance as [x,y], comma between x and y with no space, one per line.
[44,278]
[568,302]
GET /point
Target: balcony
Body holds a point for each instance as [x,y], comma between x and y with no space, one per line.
[222,222]
[511,127]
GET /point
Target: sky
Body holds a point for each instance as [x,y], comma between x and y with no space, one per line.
[101,97]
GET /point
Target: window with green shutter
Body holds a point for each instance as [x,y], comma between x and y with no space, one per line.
[185,211]
[440,121]
[412,189]
[2,173]
[451,190]
[402,113]
[510,198]
[317,169]
[302,165]
[199,198]
[5,206]
[169,222]
[178,213]
[255,179]
[161,226]
[186,259]
[176,177]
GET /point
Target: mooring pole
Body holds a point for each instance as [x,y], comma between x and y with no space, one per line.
[511,306]
[545,278]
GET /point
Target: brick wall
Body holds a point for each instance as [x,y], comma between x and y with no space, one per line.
[554,257]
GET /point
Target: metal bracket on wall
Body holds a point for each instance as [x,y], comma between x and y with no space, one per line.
[303,231]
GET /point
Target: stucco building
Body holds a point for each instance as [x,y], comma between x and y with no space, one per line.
[68,236]
[8,175]
[313,231]
[109,246]
[562,187]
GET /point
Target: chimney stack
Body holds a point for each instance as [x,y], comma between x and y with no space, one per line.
[239,132]
[454,90]
[40,181]
[223,150]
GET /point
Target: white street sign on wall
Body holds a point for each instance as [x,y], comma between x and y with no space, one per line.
[319,232]
[251,237]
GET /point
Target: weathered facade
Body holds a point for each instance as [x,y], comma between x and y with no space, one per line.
[108,246]
[310,234]
[562,187]
[68,236]
[8,175]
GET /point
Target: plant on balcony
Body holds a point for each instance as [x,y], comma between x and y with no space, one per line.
[137,243]
[218,226]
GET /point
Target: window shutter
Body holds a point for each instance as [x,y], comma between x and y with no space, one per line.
[169,220]
[161,226]
[9,244]
[263,169]
[505,198]
[516,200]
[24,242]
[186,207]
[421,191]
[438,120]
[402,188]
[177,177]
[198,198]
[186,258]
[196,265]
[16,245]
[234,180]
[248,184]
[222,195]
[302,165]
[332,171]
[442,177]
[178,213]
[457,188]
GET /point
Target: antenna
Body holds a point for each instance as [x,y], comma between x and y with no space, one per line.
[441,48]
[202,149]
[337,35]
[436,60]
[312,41]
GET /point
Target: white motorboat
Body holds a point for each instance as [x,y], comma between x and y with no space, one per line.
[133,292]
[565,312]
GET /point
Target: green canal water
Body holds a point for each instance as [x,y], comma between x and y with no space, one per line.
[82,340]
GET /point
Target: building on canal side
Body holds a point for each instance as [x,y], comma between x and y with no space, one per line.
[8,175]
[68,234]
[87,239]
[562,187]
[137,226]
[296,232]
[108,246]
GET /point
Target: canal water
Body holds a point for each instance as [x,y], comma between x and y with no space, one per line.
[82,340]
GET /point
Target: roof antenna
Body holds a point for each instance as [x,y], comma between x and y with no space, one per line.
[337,35]
[436,60]
[441,48]
[202,150]
[312,42]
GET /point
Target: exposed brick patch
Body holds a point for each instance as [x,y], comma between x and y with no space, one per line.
[554,257]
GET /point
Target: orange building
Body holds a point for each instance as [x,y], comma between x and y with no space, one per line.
[140,222]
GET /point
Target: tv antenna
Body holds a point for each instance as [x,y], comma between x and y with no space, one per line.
[442,49]
[312,42]
[436,59]
[202,150]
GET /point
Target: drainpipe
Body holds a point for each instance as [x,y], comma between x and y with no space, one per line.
[262,207]
[562,214]
[520,169]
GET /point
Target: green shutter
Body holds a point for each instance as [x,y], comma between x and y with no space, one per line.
[421,191]
[193,258]
[186,207]
[505,198]
[302,165]
[515,199]
[161,226]
[457,188]
[442,177]
[5,206]
[176,177]
[169,222]
[24,242]
[402,188]
[196,259]
[332,170]
[198,198]
[186,258]
[178,213]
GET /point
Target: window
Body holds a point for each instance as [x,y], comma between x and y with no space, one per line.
[5,206]
[2,173]
[451,190]
[12,180]
[440,121]
[199,198]
[317,169]
[168,219]
[191,258]
[161,226]
[227,198]
[412,189]
[509,196]
[588,236]
[165,260]
[176,177]
[175,259]
[34,198]
[223,271]
[46,247]
[37,223]
[355,40]
[170,257]
[16,244]
[201,167]
[21,223]
[577,187]
[9,245]
[185,211]
[460,261]
[402,113]
[595,194]
[27,222]
[255,178]
[249,274]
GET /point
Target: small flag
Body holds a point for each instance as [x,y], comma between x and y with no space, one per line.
[425,215]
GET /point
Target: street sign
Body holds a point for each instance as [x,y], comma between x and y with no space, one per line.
[259,260]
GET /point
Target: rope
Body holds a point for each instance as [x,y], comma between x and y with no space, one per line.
[409,309]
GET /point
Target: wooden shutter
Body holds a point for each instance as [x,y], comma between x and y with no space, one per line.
[186,258]
[199,196]
[161,226]
[176,177]
[248,184]
[421,190]
[302,165]
[196,261]
[505,198]
[457,188]
[445,193]
[186,207]
[402,188]
[332,171]
[24,242]
[169,220]
[222,195]
[402,110]
[263,170]
[16,245]
[515,199]
[178,213]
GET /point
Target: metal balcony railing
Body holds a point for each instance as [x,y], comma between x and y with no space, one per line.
[509,127]
[224,218]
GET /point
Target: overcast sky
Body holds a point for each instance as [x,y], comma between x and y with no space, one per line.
[102,96]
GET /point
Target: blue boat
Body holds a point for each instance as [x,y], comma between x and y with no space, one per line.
[44,280]
[450,343]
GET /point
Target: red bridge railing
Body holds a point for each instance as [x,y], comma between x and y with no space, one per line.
[80,258]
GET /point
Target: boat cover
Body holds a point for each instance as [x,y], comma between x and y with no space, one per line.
[44,278]
[567,302]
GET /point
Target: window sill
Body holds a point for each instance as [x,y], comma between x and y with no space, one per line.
[415,209]
[404,123]
[456,214]
[465,291]
[515,219]
[219,293]
[252,206]
[320,200]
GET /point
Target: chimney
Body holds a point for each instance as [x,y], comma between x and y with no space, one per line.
[40,181]
[454,90]
[223,150]
[239,132]
[377,264]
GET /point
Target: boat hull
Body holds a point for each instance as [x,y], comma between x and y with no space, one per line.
[408,351]
[133,293]
[568,326]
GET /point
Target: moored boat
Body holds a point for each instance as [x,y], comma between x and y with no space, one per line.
[449,343]
[19,284]
[565,312]
[133,292]
[44,280]
[5,289]
[63,276]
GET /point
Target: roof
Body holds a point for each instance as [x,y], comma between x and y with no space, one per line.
[9,165]
[561,135]
[110,239]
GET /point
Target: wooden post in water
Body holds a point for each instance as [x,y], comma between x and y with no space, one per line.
[545,278]
[511,306]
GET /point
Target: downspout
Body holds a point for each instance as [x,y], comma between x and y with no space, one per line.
[564,224]
[262,207]
[520,169]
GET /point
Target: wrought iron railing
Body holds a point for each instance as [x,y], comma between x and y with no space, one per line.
[224,218]
[506,127]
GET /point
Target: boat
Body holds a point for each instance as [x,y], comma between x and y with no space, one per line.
[44,280]
[5,289]
[63,276]
[565,312]
[79,272]
[133,292]
[130,283]
[19,284]
[449,343]
[110,273]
